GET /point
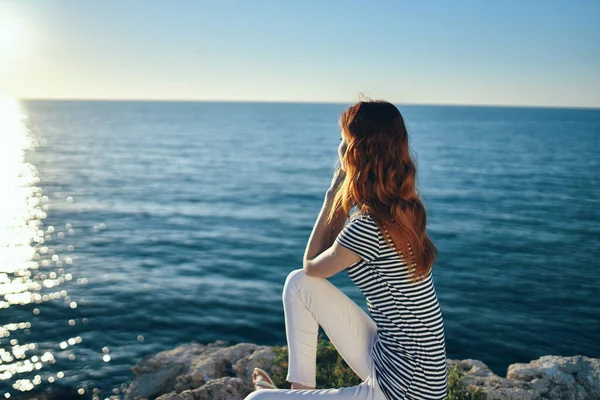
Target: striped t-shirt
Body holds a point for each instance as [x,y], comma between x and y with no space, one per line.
[409,353]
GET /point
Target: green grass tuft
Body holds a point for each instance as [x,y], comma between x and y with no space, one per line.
[457,390]
[333,372]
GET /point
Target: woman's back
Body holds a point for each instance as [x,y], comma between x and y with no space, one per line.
[410,351]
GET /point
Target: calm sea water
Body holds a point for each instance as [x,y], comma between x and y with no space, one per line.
[132,227]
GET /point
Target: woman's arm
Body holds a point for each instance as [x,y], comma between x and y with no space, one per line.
[323,234]
[338,222]
[325,257]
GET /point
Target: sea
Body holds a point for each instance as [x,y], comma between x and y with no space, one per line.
[132,227]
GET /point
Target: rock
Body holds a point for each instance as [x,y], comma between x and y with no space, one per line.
[547,378]
[227,388]
[179,355]
[220,371]
[154,383]
[568,378]
[212,364]
[262,358]
[193,370]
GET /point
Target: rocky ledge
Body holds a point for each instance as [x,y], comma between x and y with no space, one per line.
[218,371]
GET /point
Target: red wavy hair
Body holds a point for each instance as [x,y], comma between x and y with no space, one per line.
[380,178]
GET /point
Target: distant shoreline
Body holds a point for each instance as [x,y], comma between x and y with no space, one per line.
[299,102]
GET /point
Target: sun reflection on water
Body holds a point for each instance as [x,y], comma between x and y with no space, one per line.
[31,269]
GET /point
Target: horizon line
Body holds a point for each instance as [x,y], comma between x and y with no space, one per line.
[172,100]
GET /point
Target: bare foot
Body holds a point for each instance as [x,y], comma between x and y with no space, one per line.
[259,376]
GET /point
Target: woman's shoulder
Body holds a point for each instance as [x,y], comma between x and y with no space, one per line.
[364,219]
[362,216]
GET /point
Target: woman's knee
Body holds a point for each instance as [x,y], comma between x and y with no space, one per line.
[293,282]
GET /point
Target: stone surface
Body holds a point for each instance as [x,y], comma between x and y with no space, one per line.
[218,371]
[218,389]
[547,378]
[213,371]
[155,383]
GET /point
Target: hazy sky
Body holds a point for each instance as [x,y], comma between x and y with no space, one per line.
[524,52]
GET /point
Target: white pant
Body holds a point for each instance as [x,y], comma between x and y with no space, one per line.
[309,302]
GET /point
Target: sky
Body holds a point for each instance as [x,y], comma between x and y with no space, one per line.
[526,53]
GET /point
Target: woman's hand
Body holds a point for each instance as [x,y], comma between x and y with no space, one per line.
[338,178]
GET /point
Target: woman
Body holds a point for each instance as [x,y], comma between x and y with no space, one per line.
[399,350]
